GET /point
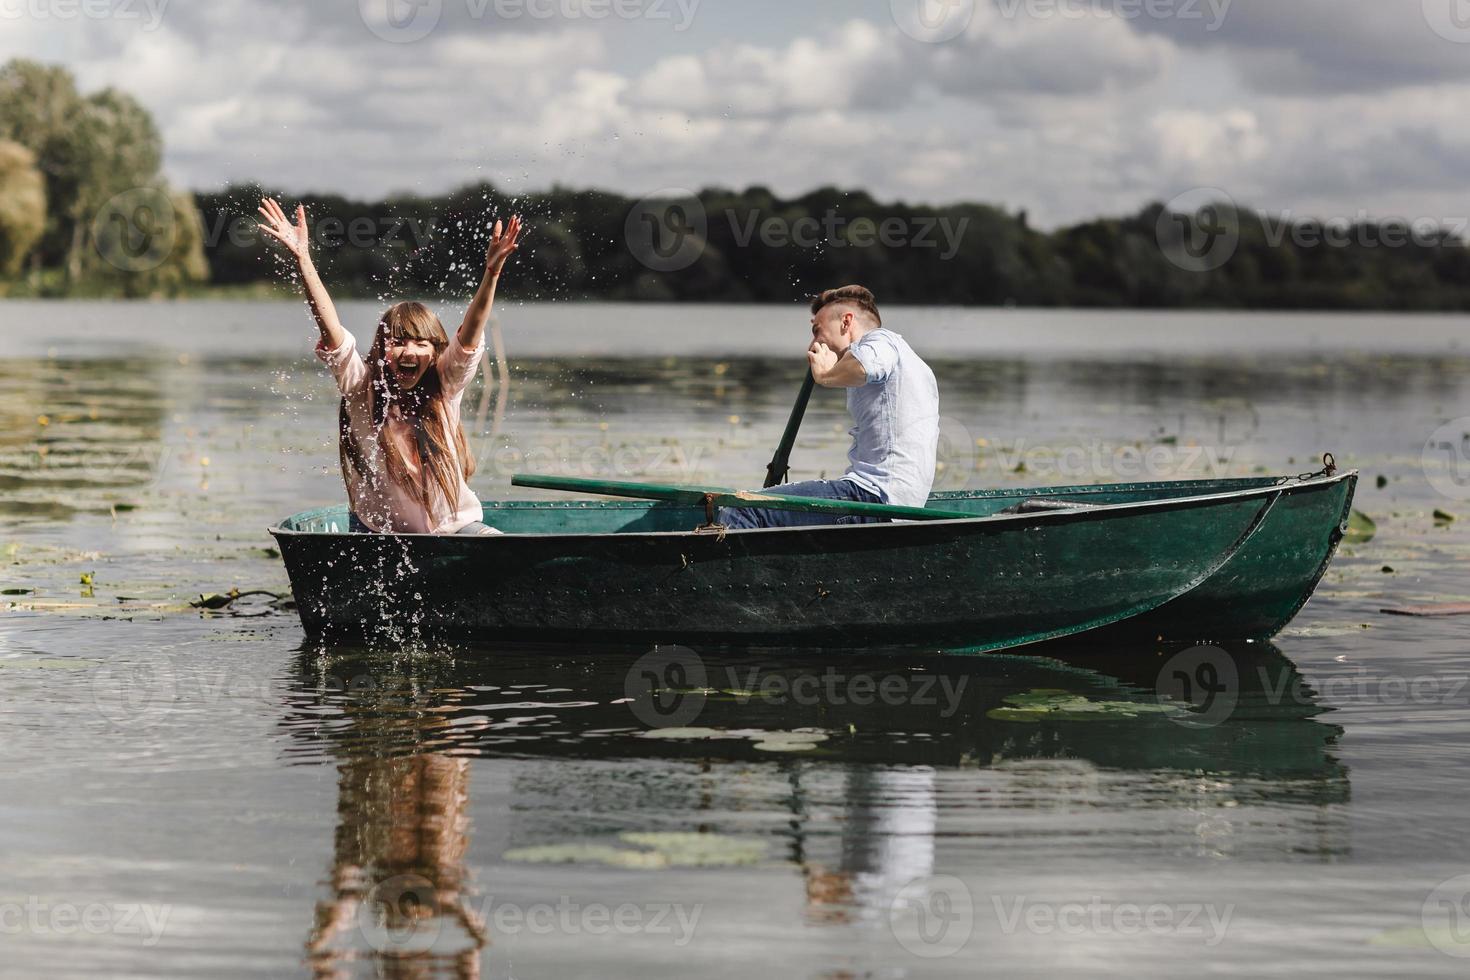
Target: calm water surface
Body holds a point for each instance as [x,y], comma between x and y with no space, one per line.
[188,792]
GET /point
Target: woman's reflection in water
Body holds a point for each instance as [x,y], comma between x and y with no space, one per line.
[399,887]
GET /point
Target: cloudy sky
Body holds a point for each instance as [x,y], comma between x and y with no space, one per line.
[1068,108]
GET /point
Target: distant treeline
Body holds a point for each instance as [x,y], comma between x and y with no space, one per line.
[753,246]
[84,210]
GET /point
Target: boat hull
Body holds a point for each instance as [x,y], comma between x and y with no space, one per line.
[1213,560]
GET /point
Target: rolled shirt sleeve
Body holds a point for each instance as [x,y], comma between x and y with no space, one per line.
[877,354]
[345,364]
[457,365]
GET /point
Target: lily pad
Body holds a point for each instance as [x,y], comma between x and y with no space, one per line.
[656,851]
[790,741]
[616,857]
[1051,705]
[686,734]
[688,850]
[1360,528]
[800,740]
[1442,938]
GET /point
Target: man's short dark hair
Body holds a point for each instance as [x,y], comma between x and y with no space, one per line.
[859,296]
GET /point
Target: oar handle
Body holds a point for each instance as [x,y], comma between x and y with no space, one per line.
[725,497]
[780,464]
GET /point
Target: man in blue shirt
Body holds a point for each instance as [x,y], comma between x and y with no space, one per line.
[894,402]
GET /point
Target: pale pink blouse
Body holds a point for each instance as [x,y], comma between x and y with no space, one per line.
[391,508]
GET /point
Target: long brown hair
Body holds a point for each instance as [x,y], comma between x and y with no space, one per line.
[423,406]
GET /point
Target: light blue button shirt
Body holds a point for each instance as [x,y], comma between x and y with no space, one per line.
[896,438]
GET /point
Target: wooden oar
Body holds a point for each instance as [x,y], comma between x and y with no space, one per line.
[712,497]
[780,464]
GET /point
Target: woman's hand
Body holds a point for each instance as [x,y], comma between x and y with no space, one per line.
[296,238]
[502,244]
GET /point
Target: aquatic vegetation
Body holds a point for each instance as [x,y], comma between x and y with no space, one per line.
[656,850]
[800,740]
[1052,705]
[1443,938]
[1361,528]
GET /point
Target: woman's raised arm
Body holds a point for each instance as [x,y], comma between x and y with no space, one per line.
[502,243]
[298,242]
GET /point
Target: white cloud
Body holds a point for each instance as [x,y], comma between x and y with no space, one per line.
[1065,116]
[855,65]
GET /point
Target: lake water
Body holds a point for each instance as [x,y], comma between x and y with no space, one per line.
[187,792]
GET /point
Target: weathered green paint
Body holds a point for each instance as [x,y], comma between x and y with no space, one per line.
[1220,560]
[725,497]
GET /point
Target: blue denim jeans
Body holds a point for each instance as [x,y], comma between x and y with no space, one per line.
[738,518]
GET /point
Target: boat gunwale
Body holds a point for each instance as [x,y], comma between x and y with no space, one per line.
[1284,485]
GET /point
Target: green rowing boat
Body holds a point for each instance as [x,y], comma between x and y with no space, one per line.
[1220,560]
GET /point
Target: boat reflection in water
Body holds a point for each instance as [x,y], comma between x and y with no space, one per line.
[856,770]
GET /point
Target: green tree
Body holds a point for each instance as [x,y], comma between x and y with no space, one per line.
[22,206]
[89,150]
[39,109]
